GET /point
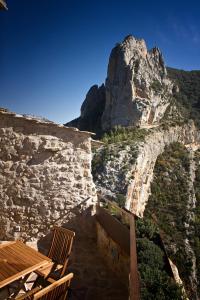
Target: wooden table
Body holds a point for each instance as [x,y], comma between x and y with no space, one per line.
[18,260]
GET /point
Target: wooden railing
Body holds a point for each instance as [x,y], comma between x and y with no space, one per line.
[120,236]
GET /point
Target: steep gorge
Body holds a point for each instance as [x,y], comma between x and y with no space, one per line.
[141,157]
[172,205]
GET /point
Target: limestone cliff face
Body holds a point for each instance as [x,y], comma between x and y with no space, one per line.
[138,90]
[139,189]
[129,170]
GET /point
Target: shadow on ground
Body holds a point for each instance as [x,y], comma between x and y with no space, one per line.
[92,278]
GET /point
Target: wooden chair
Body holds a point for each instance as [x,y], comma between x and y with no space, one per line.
[59,252]
[57,290]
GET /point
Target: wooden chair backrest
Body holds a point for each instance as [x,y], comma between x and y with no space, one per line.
[61,246]
[55,291]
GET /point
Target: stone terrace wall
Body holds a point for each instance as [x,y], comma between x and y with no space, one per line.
[45,173]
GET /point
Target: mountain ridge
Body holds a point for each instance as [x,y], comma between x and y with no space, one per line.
[125,88]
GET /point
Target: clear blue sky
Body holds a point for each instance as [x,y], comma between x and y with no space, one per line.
[53,51]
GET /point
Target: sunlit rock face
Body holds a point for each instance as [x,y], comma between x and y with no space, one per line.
[138,90]
[128,168]
[45,176]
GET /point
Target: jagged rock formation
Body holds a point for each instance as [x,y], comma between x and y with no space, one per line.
[137,90]
[91,110]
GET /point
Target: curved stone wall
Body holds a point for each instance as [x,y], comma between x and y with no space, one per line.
[138,190]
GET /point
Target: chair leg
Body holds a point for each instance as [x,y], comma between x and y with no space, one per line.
[20,287]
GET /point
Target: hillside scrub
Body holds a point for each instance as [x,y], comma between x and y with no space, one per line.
[124,134]
[188,92]
[112,163]
[196,240]
[155,280]
[168,205]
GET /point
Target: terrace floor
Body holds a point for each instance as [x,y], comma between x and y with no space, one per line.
[92,278]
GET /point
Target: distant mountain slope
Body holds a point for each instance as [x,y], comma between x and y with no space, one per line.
[189,91]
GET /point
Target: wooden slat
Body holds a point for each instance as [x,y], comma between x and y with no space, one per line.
[20,274]
[53,287]
[60,249]
[29,294]
[17,260]
[6,244]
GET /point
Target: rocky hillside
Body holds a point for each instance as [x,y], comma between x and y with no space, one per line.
[173,204]
[188,92]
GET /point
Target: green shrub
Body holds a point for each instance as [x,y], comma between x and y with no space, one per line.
[188,96]
[156,86]
[146,228]
[168,202]
[155,282]
[121,200]
[121,134]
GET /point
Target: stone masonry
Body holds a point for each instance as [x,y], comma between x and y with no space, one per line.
[45,176]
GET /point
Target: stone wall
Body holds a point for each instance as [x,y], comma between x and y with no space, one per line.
[116,258]
[45,176]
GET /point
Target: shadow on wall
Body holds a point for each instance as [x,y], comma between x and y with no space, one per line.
[80,220]
[93,279]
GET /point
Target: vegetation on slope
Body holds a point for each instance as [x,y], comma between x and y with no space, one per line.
[188,95]
[168,204]
[196,240]
[118,154]
[155,278]
[128,135]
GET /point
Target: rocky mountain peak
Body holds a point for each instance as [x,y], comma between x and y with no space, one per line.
[131,44]
[137,90]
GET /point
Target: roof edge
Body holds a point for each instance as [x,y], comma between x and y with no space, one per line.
[38,121]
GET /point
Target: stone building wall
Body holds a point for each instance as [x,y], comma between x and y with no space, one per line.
[115,257]
[45,176]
